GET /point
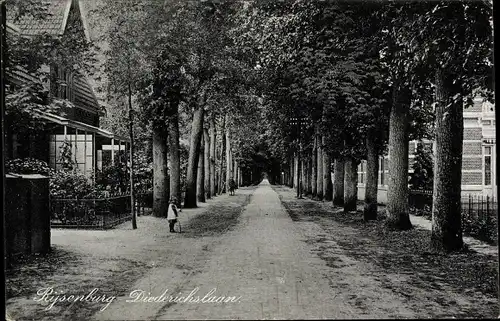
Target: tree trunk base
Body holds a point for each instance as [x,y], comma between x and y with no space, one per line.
[350,205]
[447,244]
[190,202]
[338,202]
[403,224]
[370,212]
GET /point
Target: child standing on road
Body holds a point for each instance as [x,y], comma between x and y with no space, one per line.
[172,214]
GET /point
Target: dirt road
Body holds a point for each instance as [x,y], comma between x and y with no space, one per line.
[269,264]
[266,264]
[263,261]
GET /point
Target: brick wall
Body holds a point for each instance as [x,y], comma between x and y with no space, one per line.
[472,163]
[473,133]
[470,148]
[472,178]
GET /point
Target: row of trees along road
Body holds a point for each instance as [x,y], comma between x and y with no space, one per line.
[405,73]
[178,62]
[239,72]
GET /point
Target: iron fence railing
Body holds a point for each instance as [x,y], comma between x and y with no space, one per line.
[100,213]
[479,213]
[420,200]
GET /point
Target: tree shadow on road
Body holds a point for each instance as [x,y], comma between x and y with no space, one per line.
[218,218]
[402,253]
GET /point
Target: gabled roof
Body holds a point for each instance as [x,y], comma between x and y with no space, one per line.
[53,23]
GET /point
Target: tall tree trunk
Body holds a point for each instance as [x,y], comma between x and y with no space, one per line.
[194,154]
[338,182]
[350,184]
[222,188]
[206,163]
[217,179]
[175,158]
[305,189]
[213,160]
[131,134]
[397,193]
[302,176]
[236,172]
[371,189]
[229,163]
[290,180]
[327,173]
[200,180]
[160,173]
[446,202]
[235,169]
[319,176]
[314,173]
[296,171]
[307,169]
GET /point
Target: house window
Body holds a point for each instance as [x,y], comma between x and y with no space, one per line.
[487,165]
[81,151]
[361,169]
[382,171]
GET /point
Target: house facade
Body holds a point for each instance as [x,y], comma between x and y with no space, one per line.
[90,145]
[478,158]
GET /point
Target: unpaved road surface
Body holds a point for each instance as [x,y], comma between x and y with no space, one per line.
[262,263]
[269,263]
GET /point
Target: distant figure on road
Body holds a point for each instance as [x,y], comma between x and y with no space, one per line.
[232,186]
[172,214]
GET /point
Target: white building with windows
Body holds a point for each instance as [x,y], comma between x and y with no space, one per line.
[479,155]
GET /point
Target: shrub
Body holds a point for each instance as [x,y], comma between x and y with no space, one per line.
[482,227]
[27,166]
[423,169]
[70,184]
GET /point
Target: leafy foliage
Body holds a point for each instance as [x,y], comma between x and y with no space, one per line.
[423,168]
[113,176]
[66,183]
[24,107]
[27,166]
[265,63]
[66,156]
